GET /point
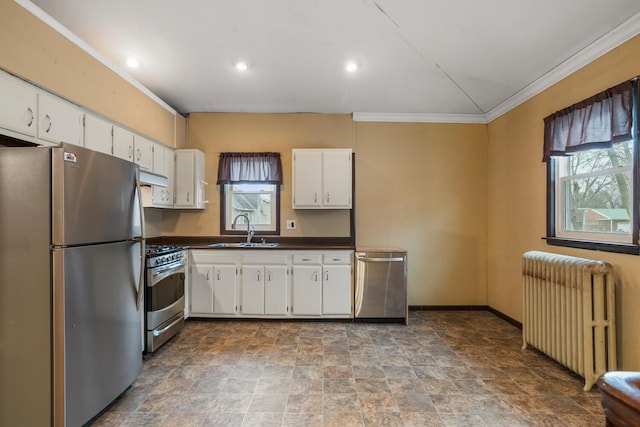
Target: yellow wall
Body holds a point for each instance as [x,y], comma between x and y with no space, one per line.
[32,50]
[423,187]
[517,188]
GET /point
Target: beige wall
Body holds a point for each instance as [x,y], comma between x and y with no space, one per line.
[422,187]
[32,50]
[214,133]
[517,204]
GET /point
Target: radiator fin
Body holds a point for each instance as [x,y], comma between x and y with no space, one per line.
[569,312]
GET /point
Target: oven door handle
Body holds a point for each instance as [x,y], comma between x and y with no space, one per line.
[164,272]
[159,332]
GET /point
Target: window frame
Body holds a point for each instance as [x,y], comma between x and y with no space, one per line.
[566,240]
[225,197]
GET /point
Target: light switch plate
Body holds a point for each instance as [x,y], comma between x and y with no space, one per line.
[291,224]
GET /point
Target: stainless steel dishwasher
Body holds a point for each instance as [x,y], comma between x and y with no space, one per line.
[381,284]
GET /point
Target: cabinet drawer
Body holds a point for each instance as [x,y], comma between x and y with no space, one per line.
[307,258]
[336,258]
[213,257]
[265,259]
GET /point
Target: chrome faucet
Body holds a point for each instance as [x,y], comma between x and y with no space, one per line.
[249,231]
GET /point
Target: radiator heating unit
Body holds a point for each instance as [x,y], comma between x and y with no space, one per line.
[569,312]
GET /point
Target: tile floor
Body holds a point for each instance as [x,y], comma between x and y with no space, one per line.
[447,368]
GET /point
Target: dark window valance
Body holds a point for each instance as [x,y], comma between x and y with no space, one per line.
[236,168]
[596,122]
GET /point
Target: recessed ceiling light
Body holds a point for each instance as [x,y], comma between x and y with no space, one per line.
[351,66]
[241,65]
[133,62]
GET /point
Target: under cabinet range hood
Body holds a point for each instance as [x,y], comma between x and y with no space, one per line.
[148,178]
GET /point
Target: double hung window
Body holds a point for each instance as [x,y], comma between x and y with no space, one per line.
[250,191]
[591,150]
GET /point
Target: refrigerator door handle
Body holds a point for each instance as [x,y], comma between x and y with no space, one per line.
[140,240]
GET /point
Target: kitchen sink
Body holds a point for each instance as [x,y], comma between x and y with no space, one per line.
[244,245]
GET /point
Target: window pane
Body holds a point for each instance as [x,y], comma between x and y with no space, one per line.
[598,203]
[620,155]
[253,200]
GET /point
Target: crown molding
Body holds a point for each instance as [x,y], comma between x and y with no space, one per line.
[420,118]
[614,38]
[64,31]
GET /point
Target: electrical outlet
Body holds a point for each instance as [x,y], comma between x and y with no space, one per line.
[291,224]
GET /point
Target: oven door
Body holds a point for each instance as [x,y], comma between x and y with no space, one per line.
[164,304]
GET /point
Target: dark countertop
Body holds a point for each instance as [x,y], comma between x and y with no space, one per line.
[284,243]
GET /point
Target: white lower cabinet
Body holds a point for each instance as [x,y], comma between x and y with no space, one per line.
[322,283]
[213,283]
[264,290]
[272,283]
[307,290]
[336,289]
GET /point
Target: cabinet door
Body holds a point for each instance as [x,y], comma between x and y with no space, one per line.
[253,289]
[159,152]
[184,179]
[336,289]
[189,179]
[275,289]
[307,179]
[163,196]
[307,290]
[201,282]
[123,143]
[336,174]
[18,106]
[224,289]
[98,134]
[143,152]
[59,121]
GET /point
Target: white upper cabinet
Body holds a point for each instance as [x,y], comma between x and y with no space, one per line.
[59,121]
[322,178]
[162,197]
[143,152]
[135,148]
[18,106]
[159,152]
[123,143]
[189,179]
[98,134]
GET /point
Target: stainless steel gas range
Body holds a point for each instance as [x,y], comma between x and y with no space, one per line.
[165,299]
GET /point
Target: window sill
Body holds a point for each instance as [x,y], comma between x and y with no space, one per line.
[620,248]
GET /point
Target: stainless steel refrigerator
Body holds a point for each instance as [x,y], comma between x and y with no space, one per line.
[71,258]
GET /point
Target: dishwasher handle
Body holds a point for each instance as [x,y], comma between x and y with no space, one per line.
[374,259]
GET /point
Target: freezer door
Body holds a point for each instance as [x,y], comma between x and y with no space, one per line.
[100,326]
[93,197]
[380,290]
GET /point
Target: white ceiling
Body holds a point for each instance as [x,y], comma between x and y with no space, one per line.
[417,57]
